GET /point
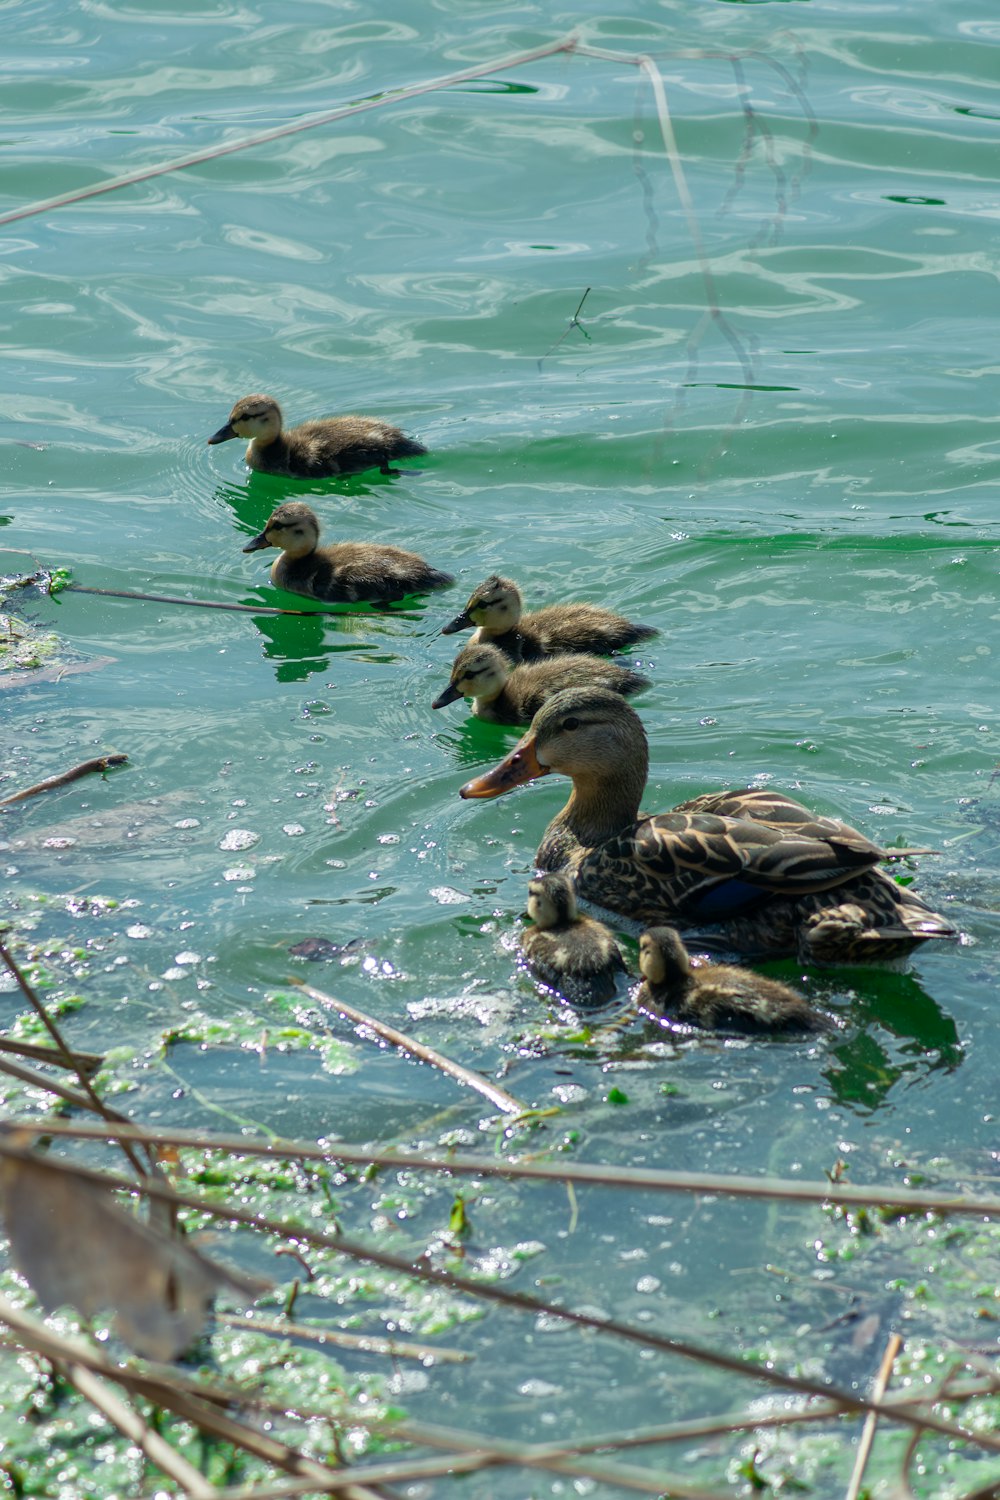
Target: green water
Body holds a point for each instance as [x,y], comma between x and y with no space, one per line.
[801,495]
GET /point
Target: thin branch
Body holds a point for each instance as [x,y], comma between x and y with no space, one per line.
[505,1102]
[368,1343]
[574,322]
[246,609]
[839,1195]
[99,763]
[279,132]
[879,1386]
[490,1456]
[89,1061]
[36,1080]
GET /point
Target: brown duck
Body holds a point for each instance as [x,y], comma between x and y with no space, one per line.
[777,878]
[315,450]
[513,695]
[345,572]
[495,607]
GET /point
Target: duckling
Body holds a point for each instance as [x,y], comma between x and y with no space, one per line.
[496,608]
[314,450]
[573,954]
[345,572]
[717,997]
[513,695]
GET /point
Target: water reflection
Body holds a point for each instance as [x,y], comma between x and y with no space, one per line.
[863,1071]
[476,741]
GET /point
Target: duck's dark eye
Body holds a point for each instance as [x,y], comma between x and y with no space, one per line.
[571,723]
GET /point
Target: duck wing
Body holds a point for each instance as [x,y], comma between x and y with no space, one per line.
[699,866]
[784,814]
[868,917]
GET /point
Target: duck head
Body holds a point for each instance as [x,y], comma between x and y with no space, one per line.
[588,733]
[662,956]
[293,527]
[495,606]
[257,418]
[552,900]
[479,672]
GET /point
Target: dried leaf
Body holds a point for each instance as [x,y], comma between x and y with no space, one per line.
[76,1246]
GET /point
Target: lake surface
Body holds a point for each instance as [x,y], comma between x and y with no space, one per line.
[800,493]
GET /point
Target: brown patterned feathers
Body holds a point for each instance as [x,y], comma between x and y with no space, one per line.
[513,695]
[346,572]
[773,875]
[495,611]
[315,450]
[717,997]
[573,954]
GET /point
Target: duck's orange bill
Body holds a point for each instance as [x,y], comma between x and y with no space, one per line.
[521,765]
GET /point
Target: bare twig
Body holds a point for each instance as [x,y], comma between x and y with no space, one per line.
[89,1061]
[574,322]
[879,1385]
[485,1456]
[505,1102]
[838,1195]
[31,676]
[245,609]
[279,132]
[367,1343]
[99,763]
[36,1080]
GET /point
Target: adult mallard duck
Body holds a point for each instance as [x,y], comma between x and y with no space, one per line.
[315,450]
[496,608]
[776,877]
[344,572]
[717,997]
[575,955]
[513,695]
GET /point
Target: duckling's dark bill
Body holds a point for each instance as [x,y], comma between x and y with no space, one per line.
[257,543]
[449,695]
[460,622]
[223,435]
[520,766]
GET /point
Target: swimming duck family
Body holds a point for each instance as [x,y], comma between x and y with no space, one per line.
[344,571]
[495,611]
[571,953]
[717,997]
[774,876]
[513,695]
[314,450]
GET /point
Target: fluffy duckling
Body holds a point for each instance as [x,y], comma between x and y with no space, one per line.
[347,571]
[496,608]
[513,695]
[573,954]
[315,450]
[717,997]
